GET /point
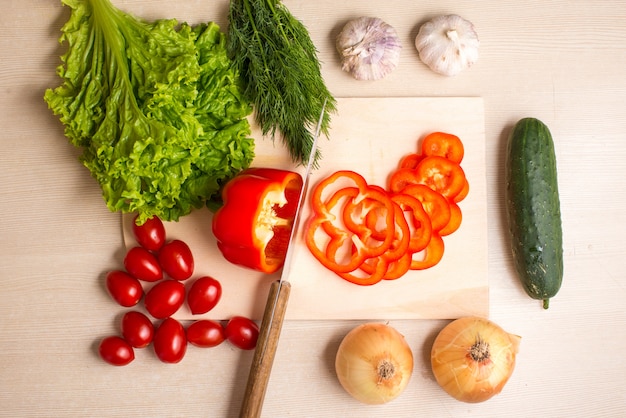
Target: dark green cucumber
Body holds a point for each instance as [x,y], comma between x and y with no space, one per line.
[534,210]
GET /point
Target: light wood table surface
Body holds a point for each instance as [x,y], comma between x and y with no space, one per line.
[561,61]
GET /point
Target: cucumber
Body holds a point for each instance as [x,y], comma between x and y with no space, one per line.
[534,210]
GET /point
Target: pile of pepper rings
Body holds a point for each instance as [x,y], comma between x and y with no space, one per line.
[365,233]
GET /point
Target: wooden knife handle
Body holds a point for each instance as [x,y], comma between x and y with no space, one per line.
[263,359]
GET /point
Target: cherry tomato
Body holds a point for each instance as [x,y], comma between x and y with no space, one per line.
[141,264]
[165,298]
[176,259]
[116,351]
[137,329]
[242,332]
[170,341]
[124,288]
[150,235]
[203,295]
[205,333]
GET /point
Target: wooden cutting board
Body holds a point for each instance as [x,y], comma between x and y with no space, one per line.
[369,136]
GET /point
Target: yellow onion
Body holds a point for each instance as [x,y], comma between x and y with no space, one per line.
[374,363]
[472,358]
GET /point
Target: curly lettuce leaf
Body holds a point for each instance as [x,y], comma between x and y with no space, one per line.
[156,108]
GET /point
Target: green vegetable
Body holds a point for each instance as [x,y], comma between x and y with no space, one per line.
[278,61]
[534,211]
[155,107]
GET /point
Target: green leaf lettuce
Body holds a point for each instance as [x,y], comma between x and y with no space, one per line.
[156,108]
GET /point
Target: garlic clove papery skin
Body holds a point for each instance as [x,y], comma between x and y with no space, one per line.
[369,48]
[448,44]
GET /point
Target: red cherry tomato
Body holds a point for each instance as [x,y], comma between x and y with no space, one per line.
[116,351]
[170,341]
[203,295]
[242,332]
[141,264]
[205,333]
[137,329]
[124,288]
[165,298]
[150,235]
[176,260]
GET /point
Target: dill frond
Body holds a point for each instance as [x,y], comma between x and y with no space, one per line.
[277,60]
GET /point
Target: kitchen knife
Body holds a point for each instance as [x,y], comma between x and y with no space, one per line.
[275,308]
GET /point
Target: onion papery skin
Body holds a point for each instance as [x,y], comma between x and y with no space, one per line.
[362,357]
[459,373]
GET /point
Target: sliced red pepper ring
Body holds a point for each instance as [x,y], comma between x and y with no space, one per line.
[372,221]
[410,161]
[443,145]
[441,175]
[252,228]
[333,251]
[395,269]
[338,251]
[402,178]
[395,258]
[463,193]
[456,217]
[341,179]
[355,216]
[326,230]
[376,225]
[430,256]
[334,217]
[342,234]
[435,205]
[418,222]
[398,268]
[377,268]
[363,198]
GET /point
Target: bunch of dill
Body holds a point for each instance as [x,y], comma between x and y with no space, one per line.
[277,61]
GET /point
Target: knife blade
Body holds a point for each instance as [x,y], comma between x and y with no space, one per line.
[275,307]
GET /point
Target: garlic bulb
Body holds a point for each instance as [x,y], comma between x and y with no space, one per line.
[369,47]
[447,44]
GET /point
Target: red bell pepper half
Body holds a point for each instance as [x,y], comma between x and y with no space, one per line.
[253,226]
